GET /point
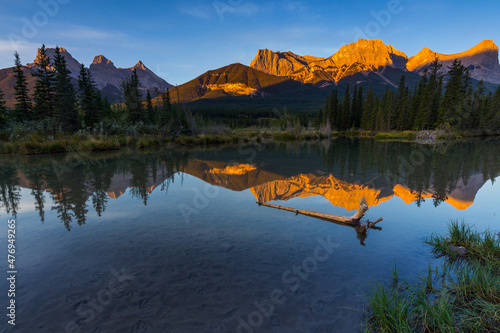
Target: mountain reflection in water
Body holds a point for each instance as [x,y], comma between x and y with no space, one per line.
[342,171]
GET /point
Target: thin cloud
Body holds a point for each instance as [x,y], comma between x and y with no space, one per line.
[247,9]
[7,49]
[295,6]
[90,33]
[202,12]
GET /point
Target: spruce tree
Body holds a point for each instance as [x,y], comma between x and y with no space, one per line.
[450,107]
[345,121]
[435,89]
[369,109]
[165,113]
[400,112]
[332,110]
[327,108]
[419,105]
[477,117]
[3,112]
[354,107]
[88,103]
[494,114]
[22,108]
[64,95]
[132,96]
[430,96]
[106,110]
[149,108]
[359,111]
[44,87]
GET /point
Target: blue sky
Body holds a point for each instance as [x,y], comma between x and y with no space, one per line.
[180,40]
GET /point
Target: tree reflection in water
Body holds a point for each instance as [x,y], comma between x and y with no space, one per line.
[72,179]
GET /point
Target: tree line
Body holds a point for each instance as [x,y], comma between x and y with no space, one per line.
[57,106]
[431,104]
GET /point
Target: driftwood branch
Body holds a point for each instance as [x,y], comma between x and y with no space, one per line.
[353,220]
[372,224]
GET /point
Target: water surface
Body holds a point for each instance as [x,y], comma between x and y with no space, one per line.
[172,240]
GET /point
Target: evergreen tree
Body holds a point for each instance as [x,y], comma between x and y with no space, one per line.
[450,108]
[419,108]
[132,96]
[327,108]
[494,114]
[332,110]
[400,113]
[22,109]
[149,108]
[354,107]
[318,119]
[106,110]
[88,102]
[429,97]
[3,112]
[434,92]
[478,115]
[369,109]
[64,95]
[345,120]
[359,110]
[165,113]
[44,87]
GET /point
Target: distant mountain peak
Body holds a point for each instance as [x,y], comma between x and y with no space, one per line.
[72,64]
[280,63]
[486,44]
[49,52]
[100,59]
[140,65]
[481,60]
[370,53]
[361,56]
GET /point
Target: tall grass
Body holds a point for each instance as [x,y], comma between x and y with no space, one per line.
[463,297]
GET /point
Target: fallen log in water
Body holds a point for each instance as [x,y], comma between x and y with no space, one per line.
[353,221]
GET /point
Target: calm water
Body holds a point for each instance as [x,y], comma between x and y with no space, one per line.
[173,240]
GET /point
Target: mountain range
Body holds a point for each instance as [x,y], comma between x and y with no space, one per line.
[374,56]
[285,79]
[105,74]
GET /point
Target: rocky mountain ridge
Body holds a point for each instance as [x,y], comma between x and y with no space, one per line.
[374,56]
[106,75]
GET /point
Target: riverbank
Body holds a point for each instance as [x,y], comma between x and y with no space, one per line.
[462,296]
[40,144]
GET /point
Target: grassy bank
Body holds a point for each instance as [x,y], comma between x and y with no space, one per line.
[462,296]
[76,143]
[38,144]
[41,144]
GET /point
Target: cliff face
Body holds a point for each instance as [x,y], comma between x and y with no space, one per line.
[72,64]
[280,64]
[375,56]
[481,60]
[362,56]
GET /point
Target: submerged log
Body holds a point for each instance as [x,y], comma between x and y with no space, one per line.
[352,221]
